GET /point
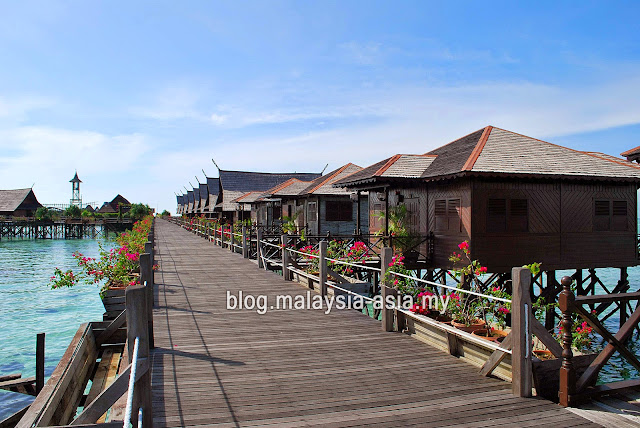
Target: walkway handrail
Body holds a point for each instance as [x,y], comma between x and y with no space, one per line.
[132,381]
[461,290]
[572,387]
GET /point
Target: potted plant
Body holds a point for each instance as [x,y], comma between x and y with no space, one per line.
[113,270]
[402,238]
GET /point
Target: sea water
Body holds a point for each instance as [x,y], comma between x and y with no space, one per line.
[29,306]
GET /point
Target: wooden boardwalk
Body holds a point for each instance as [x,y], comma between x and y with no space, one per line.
[232,368]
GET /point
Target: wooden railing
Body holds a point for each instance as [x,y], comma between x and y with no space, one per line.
[63,393]
[280,253]
[574,388]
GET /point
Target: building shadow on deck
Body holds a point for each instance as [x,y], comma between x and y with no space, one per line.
[197,356]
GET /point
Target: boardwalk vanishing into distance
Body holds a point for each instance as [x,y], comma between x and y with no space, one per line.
[237,368]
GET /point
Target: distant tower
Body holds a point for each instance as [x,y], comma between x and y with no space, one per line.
[76,199]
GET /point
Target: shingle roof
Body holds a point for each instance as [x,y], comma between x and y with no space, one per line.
[204,191]
[451,158]
[398,166]
[190,196]
[492,150]
[508,152]
[11,200]
[364,175]
[245,181]
[228,198]
[248,198]
[634,151]
[213,184]
[324,185]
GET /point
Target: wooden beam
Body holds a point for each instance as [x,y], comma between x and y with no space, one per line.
[496,358]
[546,338]
[608,298]
[602,358]
[112,328]
[521,315]
[110,395]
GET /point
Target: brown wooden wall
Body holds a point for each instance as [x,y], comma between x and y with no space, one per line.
[560,226]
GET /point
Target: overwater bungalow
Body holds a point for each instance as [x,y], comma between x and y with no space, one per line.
[18,202]
[516,199]
[235,184]
[213,189]
[204,198]
[119,204]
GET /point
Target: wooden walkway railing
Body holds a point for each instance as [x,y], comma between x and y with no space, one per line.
[220,365]
[101,352]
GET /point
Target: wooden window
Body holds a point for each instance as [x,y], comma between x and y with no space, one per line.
[619,221]
[610,216]
[453,215]
[311,211]
[496,215]
[519,215]
[447,213]
[339,211]
[507,215]
[602,215]
[441,214]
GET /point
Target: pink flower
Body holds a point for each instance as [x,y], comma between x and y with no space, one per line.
[463,245]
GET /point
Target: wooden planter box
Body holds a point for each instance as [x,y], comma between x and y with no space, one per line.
[546,374]
[472,349]
[113,302]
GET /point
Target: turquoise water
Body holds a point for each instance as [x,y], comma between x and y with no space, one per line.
[28,306]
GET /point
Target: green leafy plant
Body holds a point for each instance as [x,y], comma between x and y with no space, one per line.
[403,239]
[73,211]
[44,214]
[116,267]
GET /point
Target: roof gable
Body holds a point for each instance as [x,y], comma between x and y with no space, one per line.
[246,181]
[12,200]
[204,191]
[452,158]
[213,184]
[324,185]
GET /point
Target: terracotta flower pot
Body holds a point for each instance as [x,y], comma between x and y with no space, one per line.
[492,335]
[477,325]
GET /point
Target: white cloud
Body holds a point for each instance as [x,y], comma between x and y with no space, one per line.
[17,108]
[47,156]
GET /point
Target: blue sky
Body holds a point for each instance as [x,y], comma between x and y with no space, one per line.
[139,96]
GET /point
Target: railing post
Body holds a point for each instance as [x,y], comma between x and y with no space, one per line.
[146,278]
[221,236]
[521,375]
[231,238]
[148,248]
[387,313]
[245,247]
[285,258]
[259,248]
[567,371]
[136,306]
[39,362]
[322,268]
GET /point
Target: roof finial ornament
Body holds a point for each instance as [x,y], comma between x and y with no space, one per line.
[323,169]
[214,162]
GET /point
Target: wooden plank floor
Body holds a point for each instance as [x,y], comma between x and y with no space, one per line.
[232,368]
